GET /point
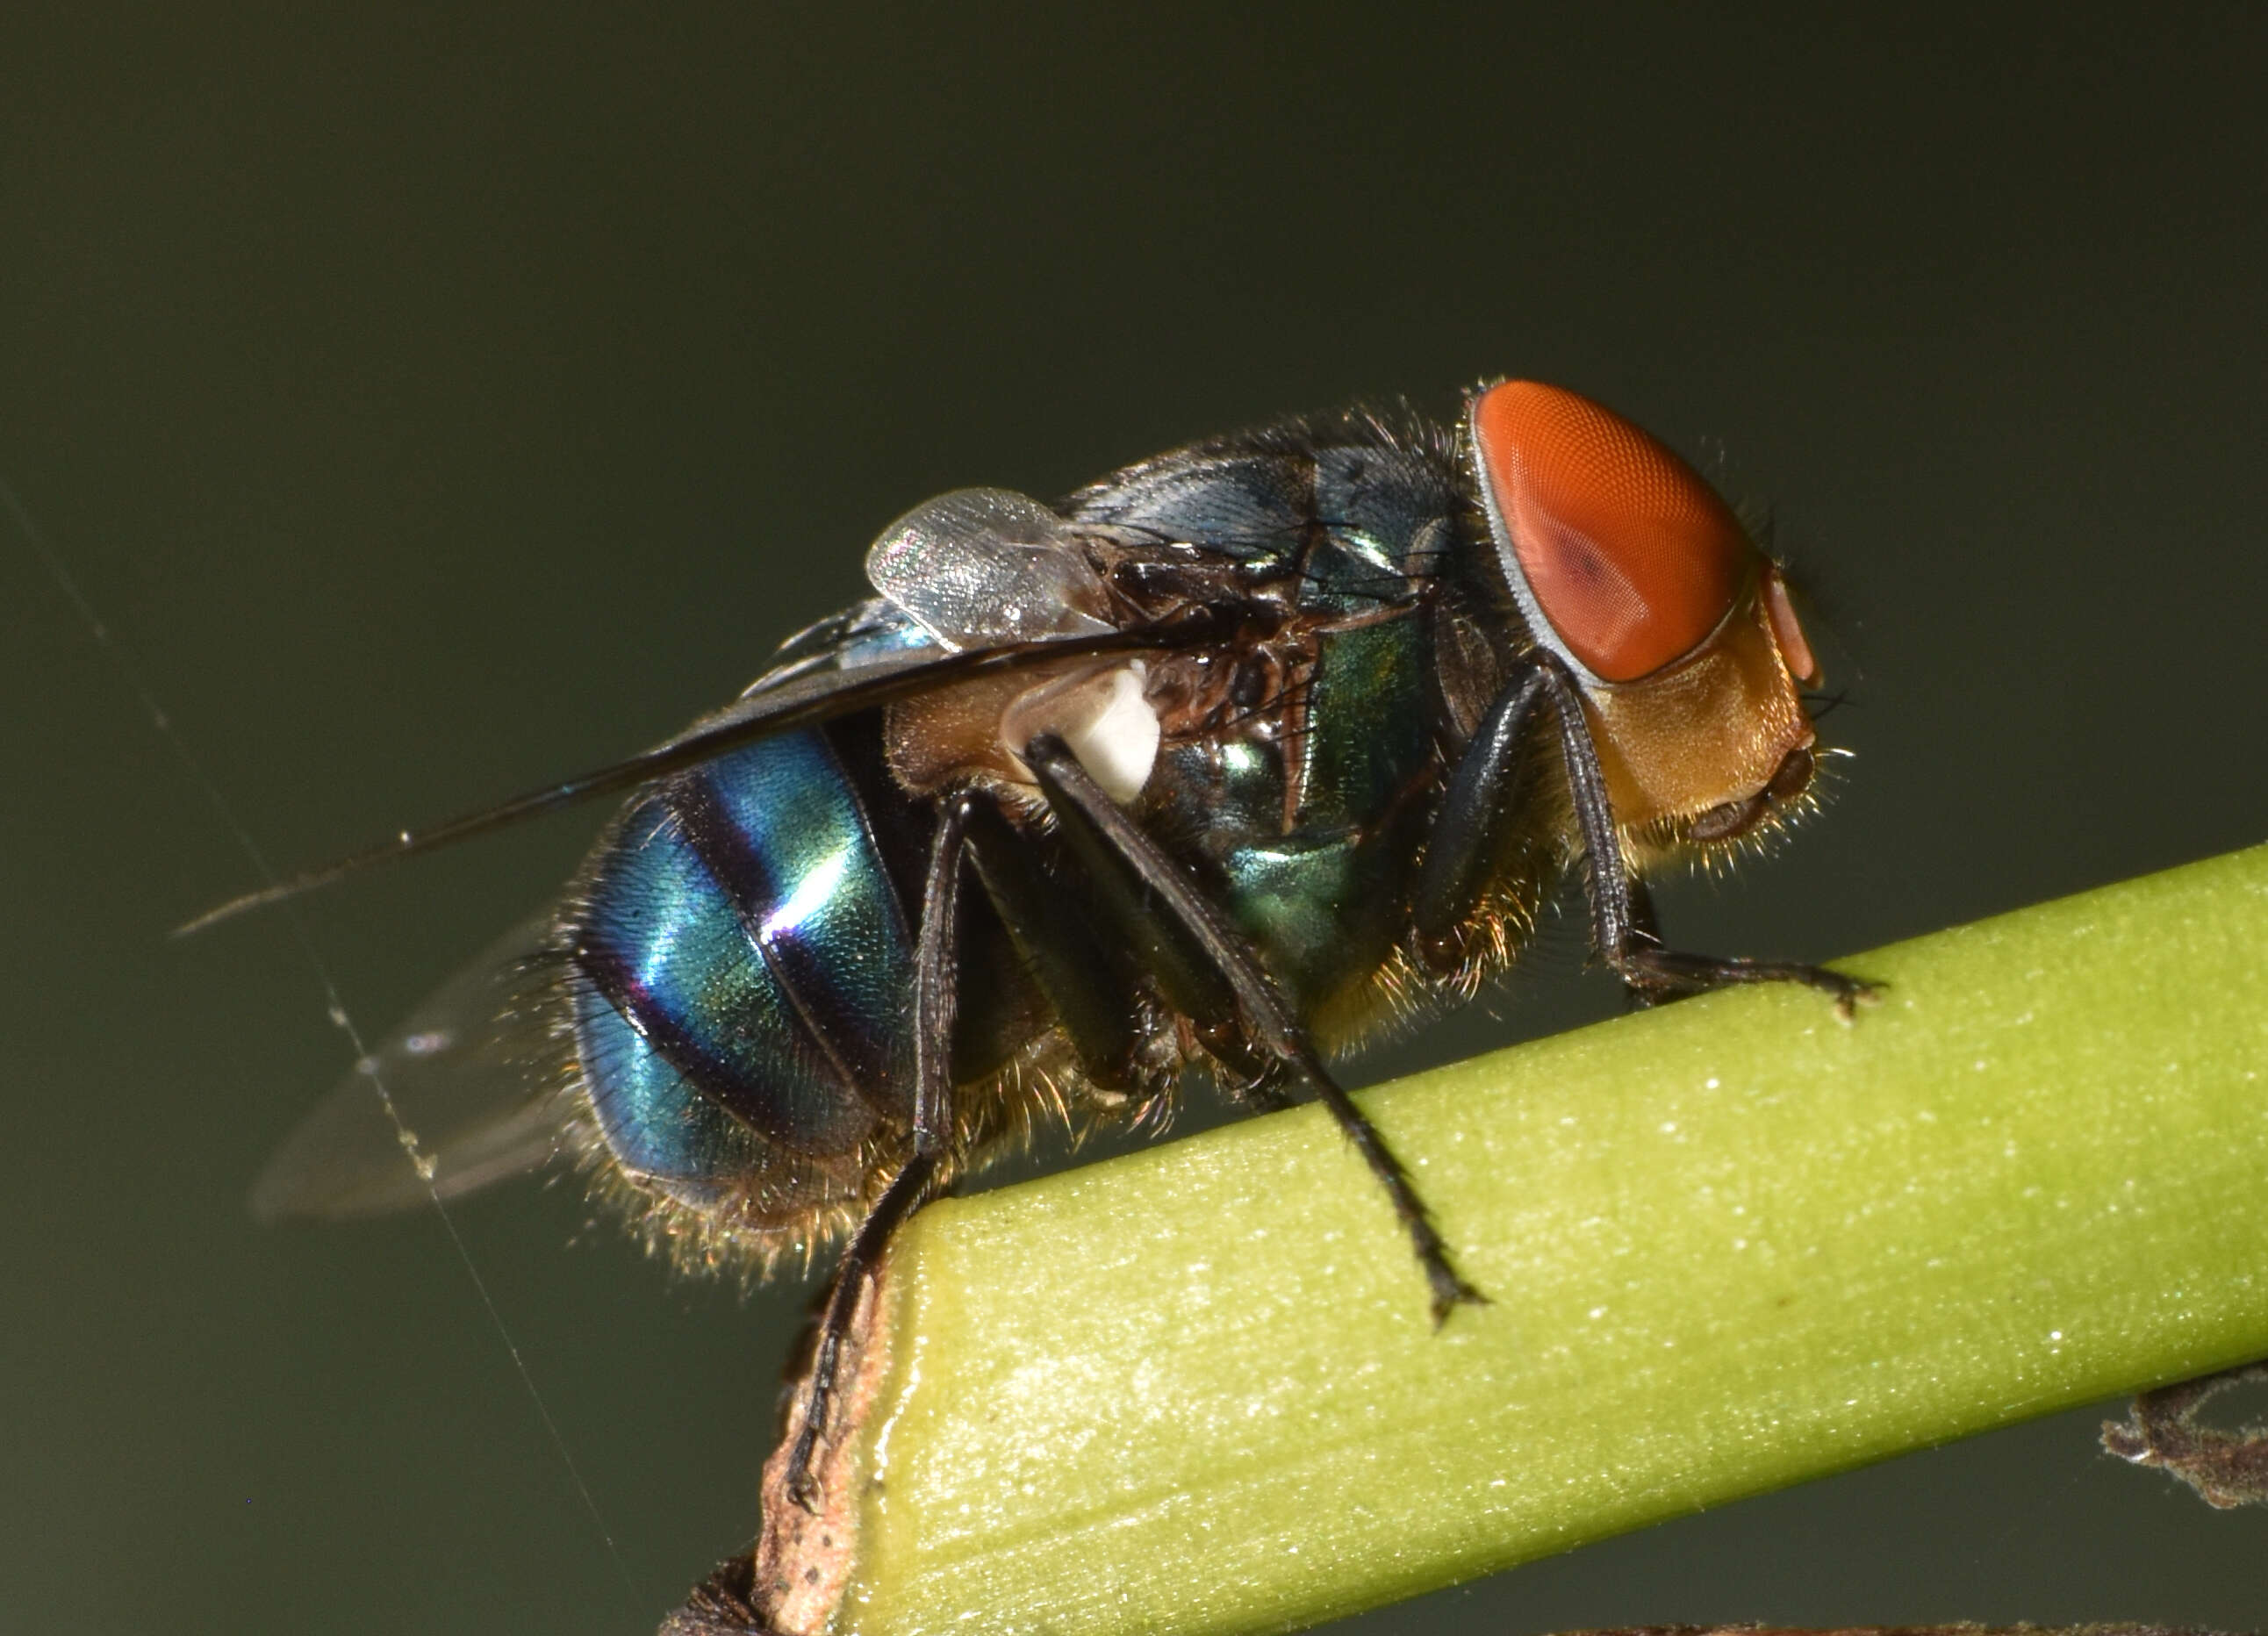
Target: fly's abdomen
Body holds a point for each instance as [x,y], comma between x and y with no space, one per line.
[742,972]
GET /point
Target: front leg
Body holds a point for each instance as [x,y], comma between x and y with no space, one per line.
[1646,926]
[1621,927]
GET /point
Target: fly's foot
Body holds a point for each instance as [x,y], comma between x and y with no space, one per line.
[1850,992]
[1450,1291]
[801,1488]
[798,1455]
[1668,974]
[811,1484]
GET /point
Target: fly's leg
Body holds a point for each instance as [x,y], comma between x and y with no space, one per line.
[1086,982]
[1619,927]
[1481,815]
[1645,931]
[1477,818]
[1205,969]
[1089,982]
[936,1006]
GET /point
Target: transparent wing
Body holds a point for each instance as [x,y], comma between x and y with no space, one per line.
[468,1075]
[806,695]
[987,567]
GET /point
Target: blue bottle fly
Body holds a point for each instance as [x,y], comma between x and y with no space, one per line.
[1229,757]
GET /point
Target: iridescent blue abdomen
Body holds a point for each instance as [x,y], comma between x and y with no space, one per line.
[742,978]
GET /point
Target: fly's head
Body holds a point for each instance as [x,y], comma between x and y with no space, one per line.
[1676,628]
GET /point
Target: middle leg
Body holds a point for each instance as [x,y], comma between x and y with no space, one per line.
[1207,970]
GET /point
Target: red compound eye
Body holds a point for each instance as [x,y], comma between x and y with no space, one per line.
[1630,555]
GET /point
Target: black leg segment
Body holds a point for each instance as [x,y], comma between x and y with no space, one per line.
[936,1007]
[1620,921]
[1477,813]
[1089,984]
[1197,955]
[1645,931]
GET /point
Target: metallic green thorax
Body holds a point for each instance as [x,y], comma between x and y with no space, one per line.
[1318,875]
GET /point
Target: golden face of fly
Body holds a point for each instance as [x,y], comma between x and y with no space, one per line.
[1710,747]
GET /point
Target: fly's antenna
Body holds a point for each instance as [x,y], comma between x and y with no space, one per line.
[161,720]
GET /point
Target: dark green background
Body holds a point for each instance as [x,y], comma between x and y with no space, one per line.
[432,404]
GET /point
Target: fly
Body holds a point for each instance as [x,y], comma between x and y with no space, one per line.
[1230,758]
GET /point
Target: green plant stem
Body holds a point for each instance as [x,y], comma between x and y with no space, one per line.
[1729,1245]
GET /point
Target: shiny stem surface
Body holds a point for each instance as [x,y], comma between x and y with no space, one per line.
[1729,1245]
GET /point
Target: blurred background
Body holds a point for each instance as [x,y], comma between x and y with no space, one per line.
[433,401]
